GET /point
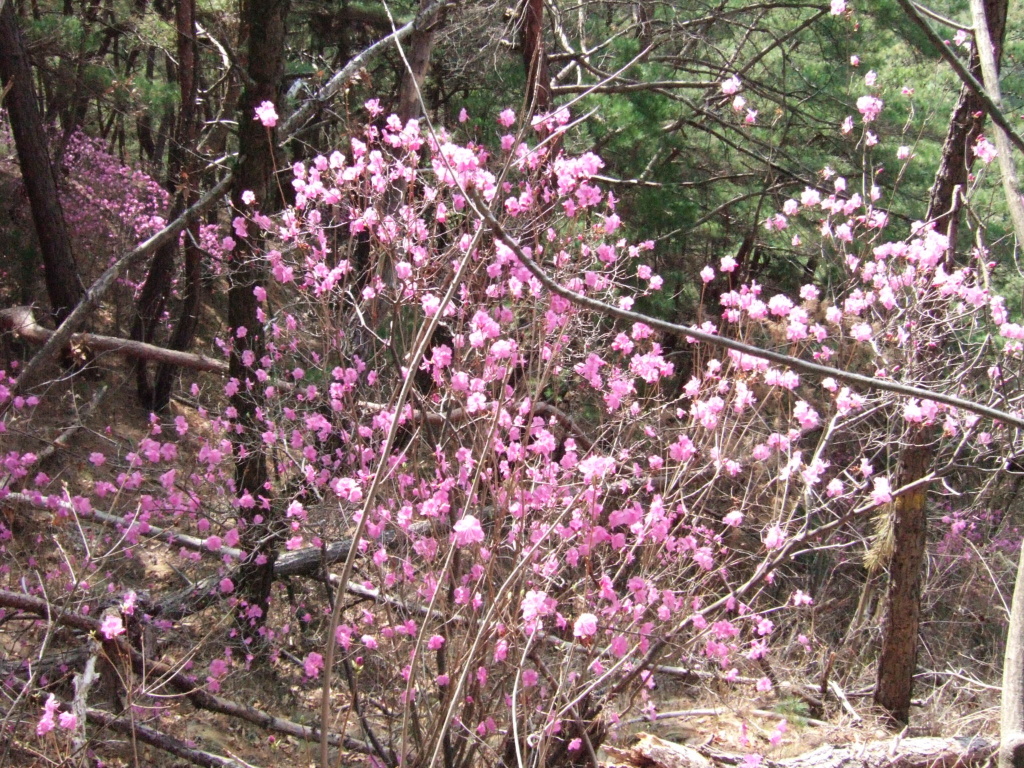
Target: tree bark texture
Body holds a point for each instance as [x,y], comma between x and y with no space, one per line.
[21,322]
[63,284]
[263,27]
[538,82]
[1011,712]
[188,317]
[898,658]
[417,54]
[965,125]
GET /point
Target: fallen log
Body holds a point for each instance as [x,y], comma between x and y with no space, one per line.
[20,322]
[919,752]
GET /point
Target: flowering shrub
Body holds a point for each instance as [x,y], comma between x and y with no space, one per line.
[560,505]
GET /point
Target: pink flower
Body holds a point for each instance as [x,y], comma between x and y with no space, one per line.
[535,605]
[861,332]
[733,519]
[881,493]
[838,7]
[764,685]
[313,663]
[506,118]
[802,598]
[869,107]
[266,114]
[585,626]
[751,117]
[773,538]
[111,627]
[985,150]
[707,274]
[67,720]
[731,85]
[468,531]
[435,642]
[45,724]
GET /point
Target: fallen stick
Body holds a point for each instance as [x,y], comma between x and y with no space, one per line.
[845,702]
[168,675]
[162,741]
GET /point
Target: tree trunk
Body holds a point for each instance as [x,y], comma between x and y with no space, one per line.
[421,45]
[1011,711]
[538,82]
[263,24]
[965,125]
[653,752]
[898,659]
[63,284]
[158,394]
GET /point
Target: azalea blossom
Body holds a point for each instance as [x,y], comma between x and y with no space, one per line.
[882,493]
[869,107]
[267,114]
[585,626]
[468,531]
[773,538]
[111,627]
[985,150]
[731,85]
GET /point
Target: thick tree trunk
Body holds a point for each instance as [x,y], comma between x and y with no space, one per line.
[20,322]
[157,287]
[263,23]
[63,284]
[653,752]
